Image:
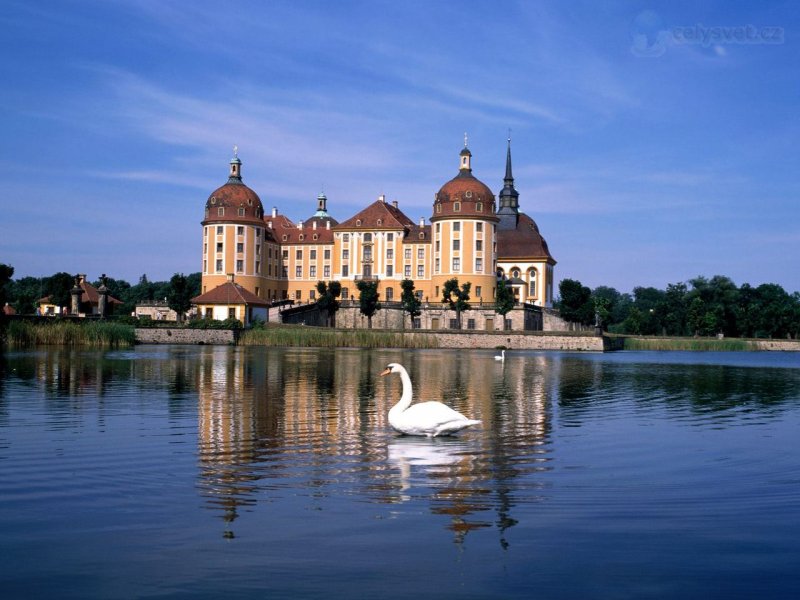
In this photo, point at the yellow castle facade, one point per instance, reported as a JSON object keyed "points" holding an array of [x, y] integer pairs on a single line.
{"points": [[470, 235]]}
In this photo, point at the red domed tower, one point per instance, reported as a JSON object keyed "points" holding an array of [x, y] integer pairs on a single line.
{"points": [[236, 241], [463, 232]]}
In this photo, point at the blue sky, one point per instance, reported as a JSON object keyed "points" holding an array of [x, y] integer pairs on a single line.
{"points": [[652, 143]]}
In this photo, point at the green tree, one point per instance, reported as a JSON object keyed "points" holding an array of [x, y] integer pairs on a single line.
{"points": [[23, 294], [58, 287], [575, 302], [6, 272], [504, 302], [409, 300], [456, 297], [368, 299], [180, 295], [328, 300]]}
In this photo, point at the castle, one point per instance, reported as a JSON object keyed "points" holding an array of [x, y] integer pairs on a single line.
{"points": [[252, 259]]}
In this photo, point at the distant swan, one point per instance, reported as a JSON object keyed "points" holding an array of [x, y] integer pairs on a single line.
{"points": [[426, 418], [501, 357]]}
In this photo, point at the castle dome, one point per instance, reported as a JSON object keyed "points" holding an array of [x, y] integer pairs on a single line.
{"points": [[464, 195], [234, 202]]}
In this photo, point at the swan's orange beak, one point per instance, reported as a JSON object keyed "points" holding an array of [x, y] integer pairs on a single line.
{"points": [[386, 372]]}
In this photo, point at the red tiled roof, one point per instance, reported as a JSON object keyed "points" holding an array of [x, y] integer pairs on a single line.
{"points": [[417, 234], [229, 293], [234, 197], [389, 215], [306, 235], [524, 241], [467, 190]]}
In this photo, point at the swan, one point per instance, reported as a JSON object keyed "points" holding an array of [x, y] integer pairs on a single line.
{"points": [[426, 418], [501, 357]]}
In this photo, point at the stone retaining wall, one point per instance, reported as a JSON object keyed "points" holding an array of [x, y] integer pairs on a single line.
{"points": [[186, 336]]}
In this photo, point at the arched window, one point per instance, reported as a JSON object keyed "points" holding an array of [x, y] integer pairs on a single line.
{"points": [[532, 283]]}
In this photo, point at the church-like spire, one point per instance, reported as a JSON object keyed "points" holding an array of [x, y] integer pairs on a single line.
{"points": [[508, 180], [508, 197], [465, 158], [236, 167]]}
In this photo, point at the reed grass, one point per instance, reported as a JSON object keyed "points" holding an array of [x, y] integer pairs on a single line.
{"points": [[335, 338], [26, 334], [689, 344]]}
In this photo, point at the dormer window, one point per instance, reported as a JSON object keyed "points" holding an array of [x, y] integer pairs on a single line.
{"points": [[457, 206], [285, 237], [358, 222], [380, 222], [438, 208], [422, 235], [241, 212], [302, 237], [220, 212], [468, 194], [479, 206]]}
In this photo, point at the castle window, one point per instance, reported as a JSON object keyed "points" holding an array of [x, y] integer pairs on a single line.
{"points": [[298, 254], [389, 237], [219, 265], [422, 235], [285, 237], [479, 206], [213, 200], [478, 245], [239, 247], [312, 271], [479, 226], [239, 266], [456, 265], [240, 230], [345, 270], [312, 254], [220, 212], [389, 292], [438, 208], [316, 236], [389, 271], [219, 246], [241, 212], [346, 238], [407, 271], [457, 206], [420, 271], [456, 245], [358, 222], [457, 226], [468, 194], [389, 253], [219, 229], [420, 254], [367, 238], [327, 254], [380, 222], [326, 271], [407, 253], [298, 272], [302, 237], [479, 265]]}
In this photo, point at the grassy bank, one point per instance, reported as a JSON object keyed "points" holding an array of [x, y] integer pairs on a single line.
{"points": [[25, 334], [334, 338], [690, 344]]}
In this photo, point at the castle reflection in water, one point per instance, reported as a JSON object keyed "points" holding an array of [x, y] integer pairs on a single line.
{"points": [[318, 419]]}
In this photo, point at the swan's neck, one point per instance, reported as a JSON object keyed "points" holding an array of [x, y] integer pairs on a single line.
{"points": [[405, 399]]}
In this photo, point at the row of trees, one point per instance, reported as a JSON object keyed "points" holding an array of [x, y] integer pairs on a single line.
{"points": [[701, 307], [24, 293]]}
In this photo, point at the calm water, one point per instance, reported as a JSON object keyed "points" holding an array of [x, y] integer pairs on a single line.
{"points": [[272, 473]]}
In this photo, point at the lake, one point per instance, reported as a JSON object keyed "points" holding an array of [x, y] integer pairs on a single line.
{"points": [[213, 472]]}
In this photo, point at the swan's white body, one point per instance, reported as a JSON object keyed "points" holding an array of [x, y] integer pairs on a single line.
{"points": [[426, 418], [501, 357]]}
